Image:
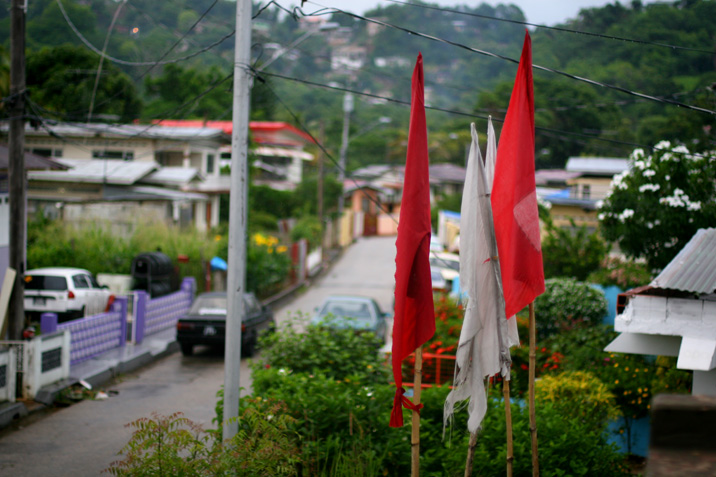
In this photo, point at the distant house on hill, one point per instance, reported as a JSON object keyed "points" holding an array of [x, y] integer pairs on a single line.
{"points": [[172, 147], [125, 194], [276, 149], [585, 181]]}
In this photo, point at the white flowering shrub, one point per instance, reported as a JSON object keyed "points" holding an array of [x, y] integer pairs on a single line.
{"points": [[657, 205]]}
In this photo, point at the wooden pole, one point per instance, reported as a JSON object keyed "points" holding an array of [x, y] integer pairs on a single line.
{"points": [[508, 425], [415, 437], [533, 417], [470, 454]]}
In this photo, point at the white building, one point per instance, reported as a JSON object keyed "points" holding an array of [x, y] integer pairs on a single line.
{"points": [[675, 315]]}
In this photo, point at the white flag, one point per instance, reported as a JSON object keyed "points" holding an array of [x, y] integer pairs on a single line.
{"points": [[483, 348], [513, 338]]}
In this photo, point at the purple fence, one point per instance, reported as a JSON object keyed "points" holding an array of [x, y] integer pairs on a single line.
{"points": [[93, 335], [98, 334], [163, 312]]}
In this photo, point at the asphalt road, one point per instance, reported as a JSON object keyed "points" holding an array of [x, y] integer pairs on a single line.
{"points": [[83, 439]]}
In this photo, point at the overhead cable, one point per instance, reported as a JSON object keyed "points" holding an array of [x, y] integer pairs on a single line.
{"points": [[512, 60]]}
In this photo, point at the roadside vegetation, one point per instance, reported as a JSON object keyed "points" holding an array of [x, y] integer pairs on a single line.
{"points": [[321, 400]]}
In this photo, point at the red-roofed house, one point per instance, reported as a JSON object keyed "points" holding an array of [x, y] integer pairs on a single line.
{"points": [[277, 148]]}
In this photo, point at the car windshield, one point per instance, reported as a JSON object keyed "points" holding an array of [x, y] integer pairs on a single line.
{"points": [[209, 305], [45, 282], [347, 309], [445, 263]]}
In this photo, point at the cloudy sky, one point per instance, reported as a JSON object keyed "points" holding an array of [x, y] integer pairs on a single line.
{"points": [[544, 12]]}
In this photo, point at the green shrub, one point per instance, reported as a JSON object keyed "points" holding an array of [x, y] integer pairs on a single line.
{"points": [[568, 304], [572, 252], [336, 353], [580, 395], [99, 250], [174, 445], [309, 228], [267, 265]]}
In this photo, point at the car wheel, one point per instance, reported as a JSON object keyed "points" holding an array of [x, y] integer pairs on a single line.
{"points": [[187, 349]]}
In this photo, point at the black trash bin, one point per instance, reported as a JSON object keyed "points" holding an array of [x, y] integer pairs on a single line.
{"points": [[154, 273]]}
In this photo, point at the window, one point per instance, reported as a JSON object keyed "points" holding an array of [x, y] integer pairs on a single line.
{"points": [[586, 191], [113, 154], [252, 304], [45, 282], [80, 281], [46, 151], [209, 163]]}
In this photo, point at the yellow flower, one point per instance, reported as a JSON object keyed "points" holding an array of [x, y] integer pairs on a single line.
{"points": [[638, 390], [616, 365], [281, 249], [626, 369], [637, 370], [370, 366], [616, 382], [217, 238]]}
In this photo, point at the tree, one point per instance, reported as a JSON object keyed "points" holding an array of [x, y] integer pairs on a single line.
{"points": [[572, 252], [657, 205], [61, 80]]}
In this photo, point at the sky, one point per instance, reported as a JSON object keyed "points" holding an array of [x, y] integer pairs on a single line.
{"points": [[544, 12]]}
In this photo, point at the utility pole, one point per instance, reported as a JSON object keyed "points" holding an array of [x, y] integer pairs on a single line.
{"points": [[347, 109], [320, 191], [16, 167], [238, 215]]}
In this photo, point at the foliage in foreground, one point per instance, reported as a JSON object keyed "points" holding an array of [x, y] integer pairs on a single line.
{"points": [[174, 445]]}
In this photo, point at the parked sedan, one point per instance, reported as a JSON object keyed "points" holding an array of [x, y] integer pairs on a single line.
{"points": [[357, 312], [205, 323], [71, 293]]}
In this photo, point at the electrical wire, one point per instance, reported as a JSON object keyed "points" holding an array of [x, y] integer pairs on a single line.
{"points": [[505, 58], [153, 64], [560, 29], [553, 132]]}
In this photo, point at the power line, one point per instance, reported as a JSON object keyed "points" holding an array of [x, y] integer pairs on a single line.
{"points": [[552, 132], [560, 29], [153, 64], [44, 122], [512, 60]]}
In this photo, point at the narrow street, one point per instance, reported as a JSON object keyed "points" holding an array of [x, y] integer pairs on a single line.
{"points": [[83, 439]]}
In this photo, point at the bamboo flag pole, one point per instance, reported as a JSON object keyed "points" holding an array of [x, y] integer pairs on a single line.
{"points": [[533, 417], [415, 437], [470, 454], [508, 424]]}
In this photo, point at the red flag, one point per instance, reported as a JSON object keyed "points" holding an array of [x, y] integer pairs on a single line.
{"points": [[414, 320], [514, 197]]}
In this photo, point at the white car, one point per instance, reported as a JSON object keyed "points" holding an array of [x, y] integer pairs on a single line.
{"points": [[70, 292]]}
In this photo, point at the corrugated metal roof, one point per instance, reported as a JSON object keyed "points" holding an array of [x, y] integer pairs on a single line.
{"points": [[603, 166], [32, 161], [172, 176], [149, 131], [97, 171], [694, 268]]}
